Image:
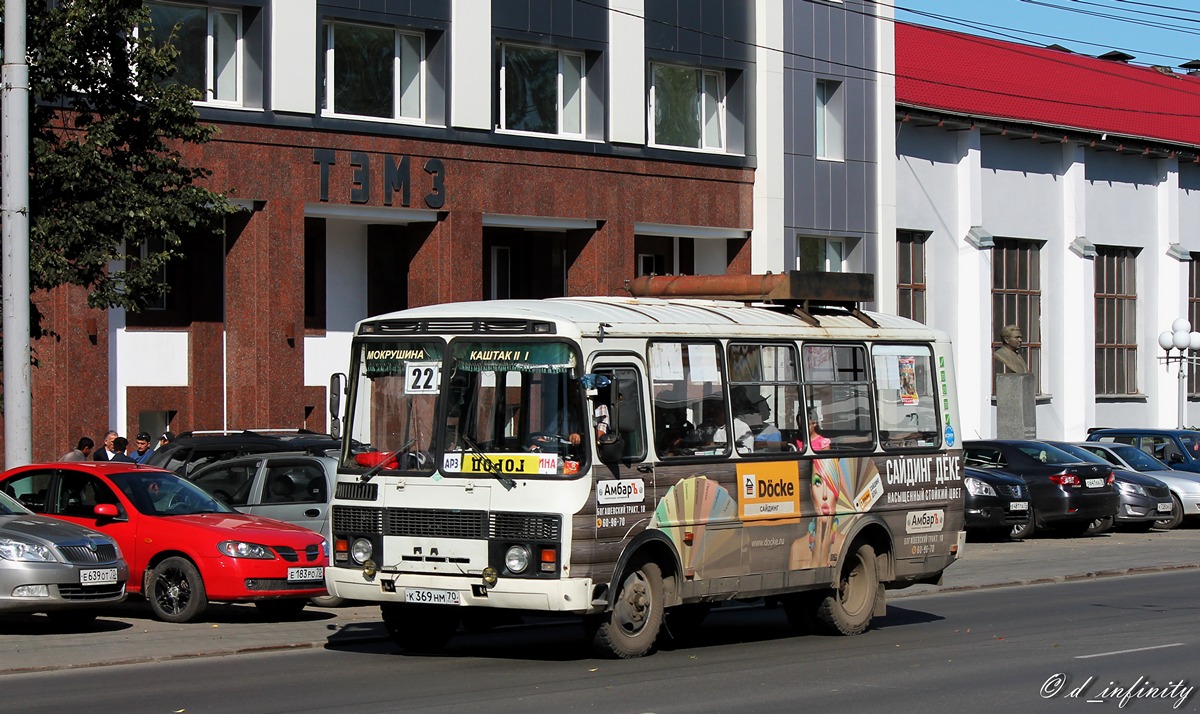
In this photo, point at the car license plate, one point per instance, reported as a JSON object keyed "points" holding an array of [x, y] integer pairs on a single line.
{"points": [[101, 576], [1094, 483], [1164, 507], [296, 575], [432, 597], [1018, 506]]}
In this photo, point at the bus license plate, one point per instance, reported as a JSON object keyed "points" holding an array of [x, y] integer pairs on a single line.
{"points": [[1018, 506], [297, 575], [101, 576], [1164, 507], [432, 597], [1094, 483]]}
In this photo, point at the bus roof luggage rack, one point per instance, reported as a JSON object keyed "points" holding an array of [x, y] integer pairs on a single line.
{"points": [[804, 293]]}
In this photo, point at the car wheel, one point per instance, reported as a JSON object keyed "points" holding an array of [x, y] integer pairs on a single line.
{"points": [[631, 628], [420, 628], [72, 619], [1176, 518], [1023, 530], [1101, 525], [176, 591], [328, 601], [285, 609], [848, 608]]}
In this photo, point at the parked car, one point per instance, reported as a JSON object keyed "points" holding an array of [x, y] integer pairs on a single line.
{"points": [[184, 547], [1144, 498], [1177, 448], [1184, 485], [996, 503], [1064, 493], [61, 569], [194, 449]]}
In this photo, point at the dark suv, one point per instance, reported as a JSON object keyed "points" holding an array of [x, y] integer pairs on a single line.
{"points": [[193, 449], [1177, 448]]}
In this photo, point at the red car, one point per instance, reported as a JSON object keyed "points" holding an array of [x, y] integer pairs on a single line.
{"points": [[184, 548]]}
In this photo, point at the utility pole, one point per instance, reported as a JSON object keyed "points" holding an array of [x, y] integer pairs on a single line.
{"points": [[14, 214]]}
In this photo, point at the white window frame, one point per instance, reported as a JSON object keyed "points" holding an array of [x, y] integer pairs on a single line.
{"points": [[499, 271], [210, 59], [706, 105], [398, 36], [561, 108], [829, 121]]}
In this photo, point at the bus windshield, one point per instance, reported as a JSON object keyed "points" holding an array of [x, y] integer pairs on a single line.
{"points": [[508, 397], [394, 404]]}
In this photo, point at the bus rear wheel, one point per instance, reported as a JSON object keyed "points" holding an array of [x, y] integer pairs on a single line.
{"points": [[420, 628], [847, 608], [631, 627]]}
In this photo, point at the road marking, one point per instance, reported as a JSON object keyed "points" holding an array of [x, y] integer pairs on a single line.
{"points": [[1139, 649]]}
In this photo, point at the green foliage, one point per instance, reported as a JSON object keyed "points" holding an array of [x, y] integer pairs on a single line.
{"points": [[106, 171]]}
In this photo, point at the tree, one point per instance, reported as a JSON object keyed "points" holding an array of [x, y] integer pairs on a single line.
{"points": [[110, 195]]}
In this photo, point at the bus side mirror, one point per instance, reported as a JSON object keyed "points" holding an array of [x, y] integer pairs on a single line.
{"points": [[337, 387]]}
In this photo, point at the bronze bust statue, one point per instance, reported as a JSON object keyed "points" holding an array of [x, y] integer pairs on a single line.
{"points": [[1008, 354]]}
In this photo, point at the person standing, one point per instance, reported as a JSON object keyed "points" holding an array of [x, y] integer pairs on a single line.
{"points": [[81, 452], [120, 444], [106, 453], [142, 451]]}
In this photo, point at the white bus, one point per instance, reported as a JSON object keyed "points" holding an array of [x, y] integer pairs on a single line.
{"points": [[634, 460]]}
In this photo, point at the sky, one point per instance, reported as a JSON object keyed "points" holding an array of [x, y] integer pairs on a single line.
{"points": [[1162, 32]]}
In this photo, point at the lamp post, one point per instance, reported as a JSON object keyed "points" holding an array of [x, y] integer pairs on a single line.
{"points": [[1180, 337]]}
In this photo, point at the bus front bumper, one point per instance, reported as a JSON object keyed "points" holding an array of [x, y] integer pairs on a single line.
{"points": [[559, 595]]}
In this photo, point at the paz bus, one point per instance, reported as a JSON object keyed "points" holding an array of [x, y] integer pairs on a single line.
{"points": [[635, 460]]}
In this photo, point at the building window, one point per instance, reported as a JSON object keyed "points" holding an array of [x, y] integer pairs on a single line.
{"points": [[1017, 298], [1116, 321], [910, 278], [1193, 315], [542, 90], [688, 106], [209, 41], [825, 255], [373, 71], [314, 274], [829, 120], [501, 273], [155, 246]]}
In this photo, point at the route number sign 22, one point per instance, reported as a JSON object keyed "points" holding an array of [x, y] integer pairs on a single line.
{"points": [[422, 378]]}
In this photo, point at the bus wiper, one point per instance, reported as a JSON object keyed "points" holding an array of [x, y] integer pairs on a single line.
{"points": [[386, 460], [488, 464]]}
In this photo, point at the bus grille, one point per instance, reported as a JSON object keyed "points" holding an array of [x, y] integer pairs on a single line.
{"points": [[357, 519], [357, 491], [424, 522], [524, 526]]}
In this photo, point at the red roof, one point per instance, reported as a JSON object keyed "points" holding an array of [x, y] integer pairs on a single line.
{"points": [[986, 78]]}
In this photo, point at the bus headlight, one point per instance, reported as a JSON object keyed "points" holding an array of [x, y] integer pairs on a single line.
{"points": [[516, 559], [361, 550]]}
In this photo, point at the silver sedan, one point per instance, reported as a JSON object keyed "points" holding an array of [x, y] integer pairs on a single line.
{"points": [[1184, 485], [59, 568]]}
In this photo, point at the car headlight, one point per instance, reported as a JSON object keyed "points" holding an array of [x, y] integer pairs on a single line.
{"points": [[240, 549], [1130, 488], [516, 559], [26, 552], [361, 550], [978, 488]]}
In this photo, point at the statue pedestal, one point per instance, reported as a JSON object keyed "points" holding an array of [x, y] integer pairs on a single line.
{"points": [[1016, 407]]}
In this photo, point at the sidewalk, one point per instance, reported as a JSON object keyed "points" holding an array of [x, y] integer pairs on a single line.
{"points": [[129, 634]]}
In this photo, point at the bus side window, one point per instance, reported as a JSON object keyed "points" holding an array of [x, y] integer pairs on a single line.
{"points": [[624, 427]]}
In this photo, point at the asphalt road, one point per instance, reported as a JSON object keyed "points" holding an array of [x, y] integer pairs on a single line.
{"points": [[1024, 648]]}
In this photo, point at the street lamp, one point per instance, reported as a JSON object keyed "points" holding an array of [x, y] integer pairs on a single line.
{"points": [[1182, 338]]}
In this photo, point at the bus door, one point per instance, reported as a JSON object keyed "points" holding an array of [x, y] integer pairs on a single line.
{"points": [[624, 477]]}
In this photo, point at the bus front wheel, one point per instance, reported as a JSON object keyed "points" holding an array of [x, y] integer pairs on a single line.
{"points": [[420, 628], [631, 627], [847, 608]]}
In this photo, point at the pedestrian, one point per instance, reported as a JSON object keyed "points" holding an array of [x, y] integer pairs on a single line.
{"points": [[142, 451], [106, 453], [81, 452], [165, 439], [120, 444]]}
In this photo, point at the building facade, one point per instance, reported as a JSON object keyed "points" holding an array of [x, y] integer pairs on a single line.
{"points": [[1060, 193], [389, 154]]}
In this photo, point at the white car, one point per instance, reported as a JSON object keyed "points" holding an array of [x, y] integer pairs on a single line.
{"points": [[1184, 485]]}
